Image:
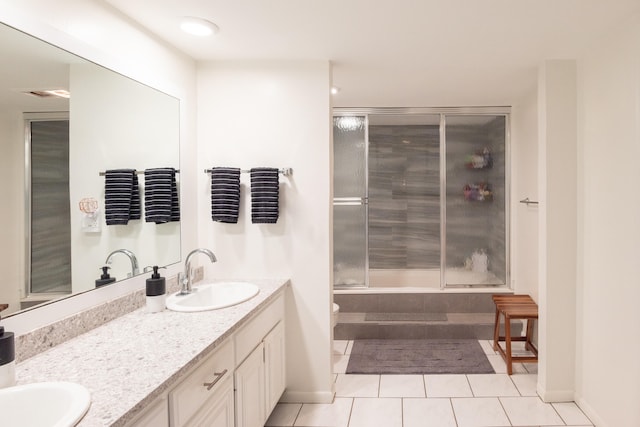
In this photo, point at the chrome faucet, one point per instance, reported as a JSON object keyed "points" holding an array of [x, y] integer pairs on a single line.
{"points": [[185, 278], [132, 257]]}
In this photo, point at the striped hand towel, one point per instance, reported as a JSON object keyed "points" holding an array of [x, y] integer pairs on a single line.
{"points": [[225, 194], [121, 196], [264, 195], [161, 202]]}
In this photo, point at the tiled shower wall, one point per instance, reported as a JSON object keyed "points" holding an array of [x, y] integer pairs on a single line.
{"points": [[404, 197]]}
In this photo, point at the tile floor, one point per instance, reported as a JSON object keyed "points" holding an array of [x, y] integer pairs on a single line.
{"points": [[489, 400]]}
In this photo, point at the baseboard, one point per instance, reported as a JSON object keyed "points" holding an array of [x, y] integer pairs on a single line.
{"points": [[291, 396], [590, 412], [555, 396]]}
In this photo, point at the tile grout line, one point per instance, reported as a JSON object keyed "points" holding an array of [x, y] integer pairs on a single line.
{"points": [[556, 411], [453, 411], [424, 386], [353, 402], [504, 410], [298, 414], [473, 394], [515, 385]]}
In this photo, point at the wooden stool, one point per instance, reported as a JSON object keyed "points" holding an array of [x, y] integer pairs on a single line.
{"points": [[502, 299], [514, 307]]}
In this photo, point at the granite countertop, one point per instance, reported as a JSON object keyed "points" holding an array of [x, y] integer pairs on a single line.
{"points": [[130, 361]]}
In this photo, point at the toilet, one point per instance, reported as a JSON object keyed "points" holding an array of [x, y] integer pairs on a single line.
{"points": [[334, 319]]}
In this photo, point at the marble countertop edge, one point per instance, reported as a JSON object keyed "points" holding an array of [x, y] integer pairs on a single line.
{"points": [[130, 361]]}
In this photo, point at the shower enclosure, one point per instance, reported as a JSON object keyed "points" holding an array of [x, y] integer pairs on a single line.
{"points": [[47, 214], [420, 198]]}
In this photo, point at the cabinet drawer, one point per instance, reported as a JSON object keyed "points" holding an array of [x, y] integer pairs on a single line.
{"points": [[189, 396], [252, 334], [218, 410]]}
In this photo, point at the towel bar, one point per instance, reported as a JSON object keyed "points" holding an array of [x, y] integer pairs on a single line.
{"points": [[137, 172], [283, 171]]}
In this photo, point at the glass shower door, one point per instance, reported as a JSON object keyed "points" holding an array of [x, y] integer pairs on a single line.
{"points": [[350, 248], [476, 251]]}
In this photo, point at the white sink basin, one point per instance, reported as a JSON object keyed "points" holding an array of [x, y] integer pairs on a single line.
{"points": [[213, 296], [50, 404]]}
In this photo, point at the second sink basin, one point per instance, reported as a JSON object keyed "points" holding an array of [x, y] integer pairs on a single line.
{"points": [[56, 404], [213, 296]]}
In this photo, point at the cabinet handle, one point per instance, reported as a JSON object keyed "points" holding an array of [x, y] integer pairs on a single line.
{"points": [[218, 375]]}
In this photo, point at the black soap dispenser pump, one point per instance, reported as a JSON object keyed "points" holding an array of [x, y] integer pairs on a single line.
{"points": [[7, 359], [156, 292], [105, 279]]}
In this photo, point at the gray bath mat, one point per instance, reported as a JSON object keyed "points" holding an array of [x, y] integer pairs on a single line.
{"points": [[405, 317], [430, 356]]}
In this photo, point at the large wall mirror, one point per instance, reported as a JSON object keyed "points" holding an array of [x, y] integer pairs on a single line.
{"points": [[64, 121]]}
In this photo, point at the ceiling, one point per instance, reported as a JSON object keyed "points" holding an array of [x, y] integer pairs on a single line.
{"points": [[411, 53]]}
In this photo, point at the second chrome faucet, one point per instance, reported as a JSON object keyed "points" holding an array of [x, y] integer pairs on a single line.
{"points": [[185, 278]]}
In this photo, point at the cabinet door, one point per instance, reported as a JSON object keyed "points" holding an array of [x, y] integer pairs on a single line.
{"points": [[218, 410], [250, 390], [156, 415], [274, 353]]}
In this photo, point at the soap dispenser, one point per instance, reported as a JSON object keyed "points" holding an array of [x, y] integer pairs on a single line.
{"points": [[156, 292], [7, 359], [105, 279]]}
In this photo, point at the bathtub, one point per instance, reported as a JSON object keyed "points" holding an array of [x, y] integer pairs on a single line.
{"points": [[423, 281]]}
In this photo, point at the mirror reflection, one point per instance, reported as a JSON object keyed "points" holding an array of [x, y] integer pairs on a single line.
{"points": [[64, 122]]}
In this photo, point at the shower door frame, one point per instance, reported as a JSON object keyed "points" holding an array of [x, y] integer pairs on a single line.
{"points": [[442, 112]]}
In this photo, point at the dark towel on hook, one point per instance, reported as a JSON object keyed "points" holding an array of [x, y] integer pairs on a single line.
{"points": [[225, 194], [264, 195], [161, 201], [121, 196]]}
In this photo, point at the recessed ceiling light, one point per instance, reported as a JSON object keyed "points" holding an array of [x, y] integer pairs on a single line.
{"points": [[198, 26], [335, 90]]}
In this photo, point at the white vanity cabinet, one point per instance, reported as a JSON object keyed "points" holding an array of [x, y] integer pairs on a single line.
{"points": [[260, 380], [260, 377], [205, 396], [274, 355], [250, 390], [237, 385]]}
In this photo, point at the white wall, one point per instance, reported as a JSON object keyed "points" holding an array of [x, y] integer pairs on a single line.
{"points": [[275, 114], [96, 32], [557, 132], [607, 369], [524, 183]]}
